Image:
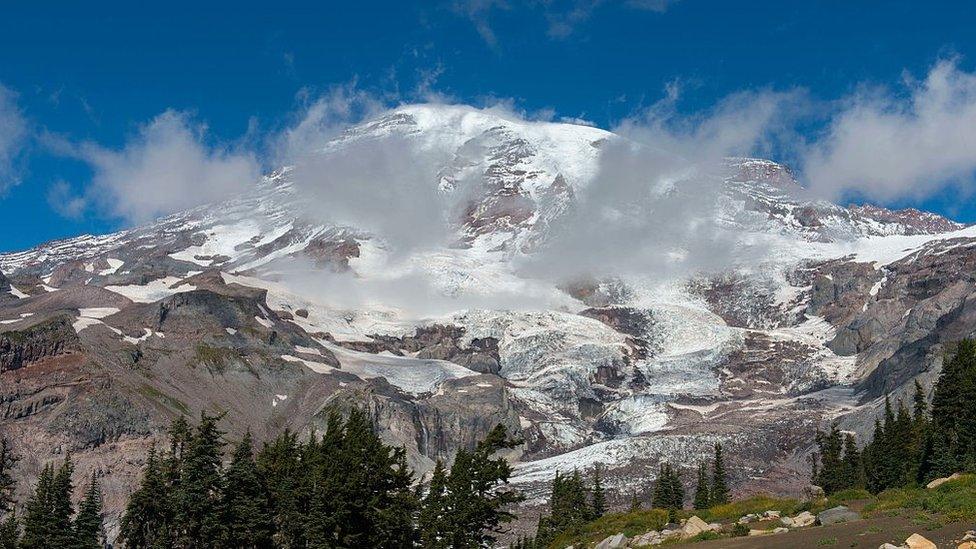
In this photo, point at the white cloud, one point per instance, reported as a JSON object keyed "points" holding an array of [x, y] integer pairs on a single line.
{"points": [[65, 202], [13, 139], [165, 168], [889, 145]]}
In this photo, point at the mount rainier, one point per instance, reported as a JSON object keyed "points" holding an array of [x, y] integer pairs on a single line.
{"points": [[448, 269]]}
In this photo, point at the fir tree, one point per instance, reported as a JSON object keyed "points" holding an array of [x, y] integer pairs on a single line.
{"points": [[147, 519], [248, 516], [47, 517], [9, 527], [598, 499], [479, 504], [199, 497], [88, 523], [635, 502], [702, 499], [279, 464], [9, 532], [434, 510], [719, 491]]}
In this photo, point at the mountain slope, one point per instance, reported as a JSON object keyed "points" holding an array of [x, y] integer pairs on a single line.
{"points": [[265, 308]]}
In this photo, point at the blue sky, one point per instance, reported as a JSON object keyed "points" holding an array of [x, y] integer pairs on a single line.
{"points": [[83, 81]]}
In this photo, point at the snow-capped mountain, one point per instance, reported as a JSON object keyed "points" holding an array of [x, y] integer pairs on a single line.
{"points": [[265, 308]]}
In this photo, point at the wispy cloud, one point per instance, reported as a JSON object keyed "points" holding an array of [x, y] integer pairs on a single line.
{"points": [[13, 139], [479, 13], [891, 144], [166, 167]]}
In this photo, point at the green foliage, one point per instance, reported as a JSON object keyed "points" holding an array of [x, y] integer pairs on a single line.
{"points": [[719, 491], [739, 530], [631, 524], [47, 516], [345, 488], [669, 493], [598, 499], [88, 524], [248, 515], [956, 499], [756, 504], [476, 498], [7, 483], [702, 498]]}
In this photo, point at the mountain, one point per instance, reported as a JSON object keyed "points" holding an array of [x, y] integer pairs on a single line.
{"points": [[268, 309]]}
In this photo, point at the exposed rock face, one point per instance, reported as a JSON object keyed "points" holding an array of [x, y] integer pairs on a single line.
{"points": [[439, 342], [49, 338]]}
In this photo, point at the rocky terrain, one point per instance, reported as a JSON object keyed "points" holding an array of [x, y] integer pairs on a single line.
{"points": [[244, 308]]}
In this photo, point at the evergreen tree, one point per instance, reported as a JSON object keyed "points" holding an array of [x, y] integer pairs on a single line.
{"points": [[853, 468], [479, 504], [7, 483], [668, 491], [248, 516], [635, 502], [9, 532], [47, 518], [702, 500], [719, 491], [147, 519], [279, 464], [9, 527], [598, 499], [199, 496], [434, 510], [954, 413], [88, 524]]}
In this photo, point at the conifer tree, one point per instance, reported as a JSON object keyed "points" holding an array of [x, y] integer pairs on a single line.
{"points": [[147, 519], [9, 527], [598, 499], [47, 517], [479, 503], [88, 524], [248, 516], [635, 502], [199, 497], [702, 499], [434, 510], [719, 491], [279, 463]]}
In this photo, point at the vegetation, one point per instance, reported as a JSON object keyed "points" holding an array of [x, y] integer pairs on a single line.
{"points": [[909, 448], [342, 489]]}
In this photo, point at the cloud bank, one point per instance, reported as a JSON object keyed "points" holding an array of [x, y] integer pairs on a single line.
{"points": [[905, 144], [166, 167]]}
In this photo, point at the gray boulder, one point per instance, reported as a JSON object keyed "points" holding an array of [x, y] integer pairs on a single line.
{"points": [[612, 542], [841, 513]]}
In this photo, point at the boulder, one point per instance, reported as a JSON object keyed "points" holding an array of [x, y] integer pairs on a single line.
{"points": [[890, 546], [970, 535], [805, 518], [940, 481], [612, 542], [694, 526], [650, 538], [916, 541], [780, 530], [813, 492], [771, 515], [967, 545], [758, 532], [787, 521], [841, 513]]}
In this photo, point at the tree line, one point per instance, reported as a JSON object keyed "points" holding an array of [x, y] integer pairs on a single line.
{"points": [[573, 503], [908, 446], [343, 488]]}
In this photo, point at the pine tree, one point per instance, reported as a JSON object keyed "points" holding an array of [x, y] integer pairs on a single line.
{"points": [[88, 523], [9, 532], [279, 464], [434, 510], [853, 468], [635, 502], [147, 519], [47, 518], [7, 483], [478, 502], [199, 497], [719, 491], [598, 499], [248, 516], [702, 500]]}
